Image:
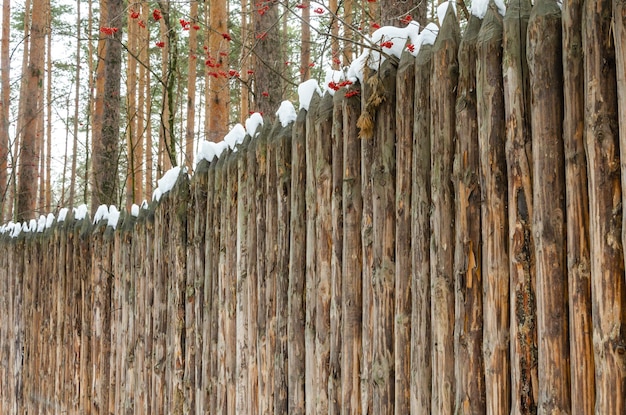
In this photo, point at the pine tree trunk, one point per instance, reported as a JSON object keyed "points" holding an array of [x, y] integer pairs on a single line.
{"points": [[191, 87], [218, 100], [5, 95]]}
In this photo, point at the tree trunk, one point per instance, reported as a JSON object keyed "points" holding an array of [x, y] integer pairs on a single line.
{"points": [[218, 100], [191, 87], [5, 96], [106, 149], [268, 65], [29, 154]]}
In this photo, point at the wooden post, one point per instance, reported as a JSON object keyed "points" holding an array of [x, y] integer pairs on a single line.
{"points": [[252, 276], [139, 262], [421, 363], [271, 228], [229, 217], [443, 138], [195, 309], [619, 35], [261, 222], [523, 330], [608, 289], [297, 270], [282, 187], [243, 313], [351, 295], [405, 94], [100, 310], [577, 213], [335, 372], [323, 247], [494, 213], [468, 279], [548, 220], [311, 386], [367, 145]]}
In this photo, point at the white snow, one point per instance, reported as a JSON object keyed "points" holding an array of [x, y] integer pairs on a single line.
{"points": [[41, 224], [235, 136], [254, 121], [49, 220], [134, 210], [305, 93], [167, 182], [442, 9], [429, 34], [102, 213], [286, 113], [479, 7], [62, 214], [332, 76], [32, 225], [80, 212], [391, 41], [114, 216]]}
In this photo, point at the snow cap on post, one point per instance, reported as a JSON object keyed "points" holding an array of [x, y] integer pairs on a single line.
{"points": [[305, 93], [286, 113]]}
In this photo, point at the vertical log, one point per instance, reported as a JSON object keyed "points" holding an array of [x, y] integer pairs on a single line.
{"points": [[310, 387], [230, 282], [100, 309], [405, 93], [351, 295], [336, 318], [608, 290], [548, 220], [297, 270], [577, 212], [270, 268], [282, 185], [383, 246], [222, 277], [421, 363], [86, 328], [216, 184], [619, 34], [261, 324], [323, 247], [468, 332], [139, 260], [195, 310], [253, 279], [443, 138], [523, 331], [367, 145], [489, 85], [174, 210], [242, 283]]}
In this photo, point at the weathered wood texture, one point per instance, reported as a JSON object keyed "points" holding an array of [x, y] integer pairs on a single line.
{"points": [[413, 244]]}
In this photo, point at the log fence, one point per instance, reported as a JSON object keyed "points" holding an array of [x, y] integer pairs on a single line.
{"points": [[447, 238]]}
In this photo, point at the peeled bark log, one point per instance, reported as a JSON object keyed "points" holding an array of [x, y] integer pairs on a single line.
{"points": [[468, 334], [608, 289], [443, 139], [493, 213]]}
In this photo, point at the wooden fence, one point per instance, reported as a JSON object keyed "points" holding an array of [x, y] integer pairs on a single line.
{"points": [[462, 255]]}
